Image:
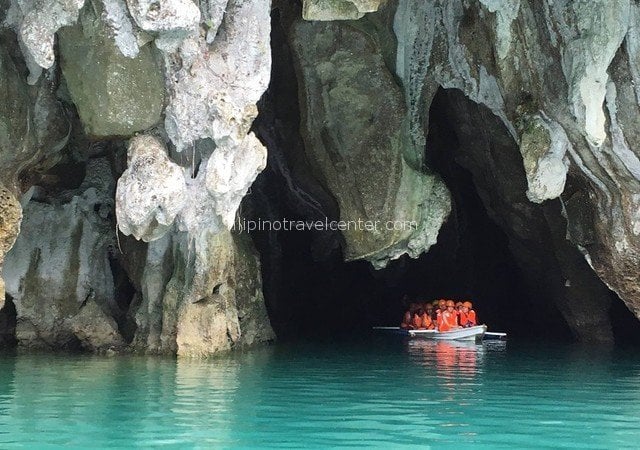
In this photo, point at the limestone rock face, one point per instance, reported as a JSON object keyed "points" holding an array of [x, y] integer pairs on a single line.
{"points": [[33, 125], [573, 65], [118, 61], [36, 23], [200, 296], [230, 172], [33, 129], [165, 15], [338, 9], [115, 95], [353, 125], [151, 192], [10, 217], [60, 262], [215, 89], [96, 330]]}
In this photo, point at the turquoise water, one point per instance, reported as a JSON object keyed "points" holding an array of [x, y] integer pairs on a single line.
{"points": [[385, 392]]}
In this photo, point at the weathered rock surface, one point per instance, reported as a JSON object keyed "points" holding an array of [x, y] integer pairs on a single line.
{"points": [[151, 192], [61, 262], [338, 9], [215, 88], [36, 23], [353, 124], [200, 296], [573, 64], [10, 218], [116, 95], [165, 15], [33, 124], [96, 330]]}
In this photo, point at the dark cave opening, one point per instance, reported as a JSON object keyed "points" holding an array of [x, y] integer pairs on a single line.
{"points": [[520, 280], [8, 319], [310, 290]]}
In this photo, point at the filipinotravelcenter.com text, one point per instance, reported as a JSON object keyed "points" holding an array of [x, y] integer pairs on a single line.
{"points": [[250, 225]]}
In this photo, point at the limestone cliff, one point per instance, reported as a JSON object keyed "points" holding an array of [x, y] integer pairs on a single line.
{"points": [[132, 116], [126, 148]]}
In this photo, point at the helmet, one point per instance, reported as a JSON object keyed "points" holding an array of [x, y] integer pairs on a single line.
{"points": [[441, 303], [468, 305], [451, 303]]}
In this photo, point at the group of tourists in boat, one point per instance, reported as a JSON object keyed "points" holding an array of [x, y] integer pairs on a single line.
{"points": [[442, 315]]}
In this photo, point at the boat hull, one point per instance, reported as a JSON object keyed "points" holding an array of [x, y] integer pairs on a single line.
{"points": [[471, 334]]}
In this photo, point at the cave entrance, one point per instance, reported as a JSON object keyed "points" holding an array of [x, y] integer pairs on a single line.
{"points": [[497, 249], [310, 290]]}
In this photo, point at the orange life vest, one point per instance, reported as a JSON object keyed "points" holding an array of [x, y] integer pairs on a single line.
{"points": [[427, 322], [448, 321]]}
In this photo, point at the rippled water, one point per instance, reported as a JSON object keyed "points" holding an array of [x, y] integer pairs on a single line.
{"points": [[386, 392]]}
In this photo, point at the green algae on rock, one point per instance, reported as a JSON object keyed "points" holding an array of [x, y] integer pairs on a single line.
{"points": [[115, 95]]}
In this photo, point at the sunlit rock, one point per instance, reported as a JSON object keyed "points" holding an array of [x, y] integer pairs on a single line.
{"points": [[10, 218], [165, 15], [151, 192], [215, 90], [230, 173], [338, 9], [36, 23], [200, 296]]}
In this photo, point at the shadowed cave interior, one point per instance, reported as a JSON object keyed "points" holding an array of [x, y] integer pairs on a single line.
{"points": [[518, 285]]}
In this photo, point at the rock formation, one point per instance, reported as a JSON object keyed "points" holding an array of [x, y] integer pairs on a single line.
{"points": [[187, 78], [126, 148], [553, 72], [348, 93]]}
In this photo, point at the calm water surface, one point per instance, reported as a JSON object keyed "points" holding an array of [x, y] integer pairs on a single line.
{"points": [[385, 393]]}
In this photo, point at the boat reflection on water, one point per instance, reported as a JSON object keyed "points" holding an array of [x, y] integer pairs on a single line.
{"points": [[454, 361]]}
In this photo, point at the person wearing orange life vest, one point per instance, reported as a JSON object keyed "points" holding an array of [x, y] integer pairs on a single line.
{"points": [[427, 319], [468, 315], [449, 318], [407, 318], [429, 309], [442, 307], [416, 319], [458, 308]]}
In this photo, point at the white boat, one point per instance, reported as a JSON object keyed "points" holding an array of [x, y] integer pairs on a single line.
{"points": [[459, 334]]}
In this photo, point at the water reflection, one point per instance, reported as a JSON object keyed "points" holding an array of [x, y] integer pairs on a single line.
{"points": [[383, 393]]}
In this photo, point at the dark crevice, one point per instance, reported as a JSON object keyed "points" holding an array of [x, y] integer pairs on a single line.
{"points": [[8, 323], [124, 295]]}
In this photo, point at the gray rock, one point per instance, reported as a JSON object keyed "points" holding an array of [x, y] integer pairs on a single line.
{"points": [[200, 296], [338, 9], [215, 90], [61, 261], [96, 330], [567, 62], [115, 95], [348, 95], [36, 23], [165, 15], [151, 192]]}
